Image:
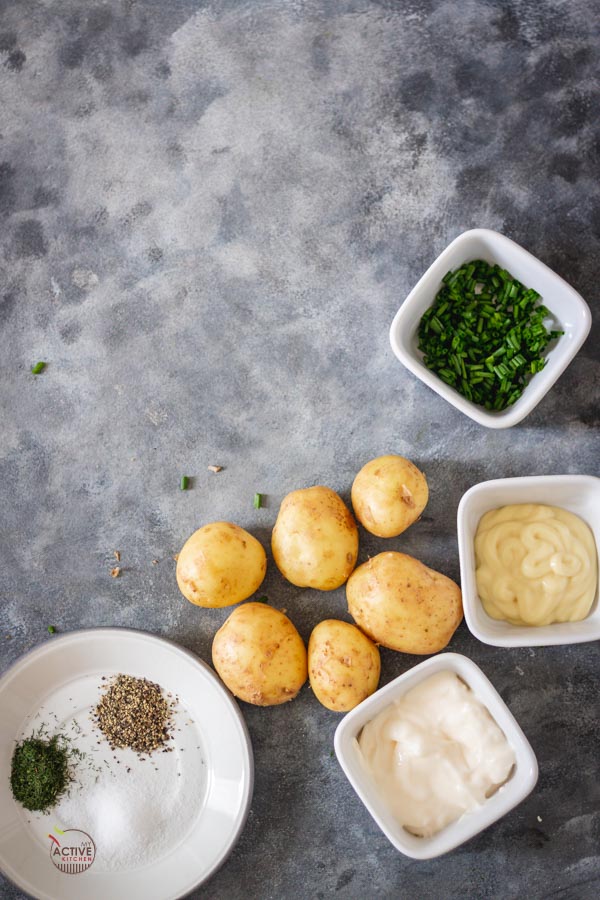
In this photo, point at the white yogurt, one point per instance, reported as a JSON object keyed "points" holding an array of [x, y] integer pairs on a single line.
{"points": [[435, 754]]}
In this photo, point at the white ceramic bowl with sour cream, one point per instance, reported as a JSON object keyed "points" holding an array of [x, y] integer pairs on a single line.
{"points": [[579, 494], [519, 784], [570, 311]]}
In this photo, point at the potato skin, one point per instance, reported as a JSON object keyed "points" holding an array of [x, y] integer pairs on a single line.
{"points": [[402, 604], [259, 655], [388, 495], [315, 539], [343, 665], [220, 564]]}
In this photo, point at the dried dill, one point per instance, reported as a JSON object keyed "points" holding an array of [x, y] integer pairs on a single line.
{"points": [[40, 772]]}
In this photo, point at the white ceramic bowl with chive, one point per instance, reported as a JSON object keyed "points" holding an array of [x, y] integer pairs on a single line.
{"points": [[570, 311], [520, 783], [579, 494]]}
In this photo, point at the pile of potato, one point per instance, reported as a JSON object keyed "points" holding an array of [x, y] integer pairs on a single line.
{"points": [[395, 600]]}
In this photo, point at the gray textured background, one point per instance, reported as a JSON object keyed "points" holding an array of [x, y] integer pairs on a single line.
{"points": [[210, 214]]}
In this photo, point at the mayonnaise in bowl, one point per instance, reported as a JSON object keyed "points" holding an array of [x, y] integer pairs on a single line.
{"points": [[535, 564]]}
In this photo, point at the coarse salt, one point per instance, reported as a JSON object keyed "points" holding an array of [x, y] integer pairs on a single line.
{"points": [[136, 811]]}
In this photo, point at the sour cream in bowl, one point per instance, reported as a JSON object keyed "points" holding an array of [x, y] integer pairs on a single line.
{"points": [[436, 756]]}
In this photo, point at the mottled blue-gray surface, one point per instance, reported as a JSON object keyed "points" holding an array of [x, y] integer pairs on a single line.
{"points": [[210, 214]]}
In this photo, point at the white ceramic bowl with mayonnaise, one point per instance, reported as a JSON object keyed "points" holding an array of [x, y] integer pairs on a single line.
{"points": [[570, 311], [519, 784], [579, 494]]}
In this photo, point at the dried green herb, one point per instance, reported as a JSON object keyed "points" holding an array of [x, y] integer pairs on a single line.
{"points": [[40, 772]]}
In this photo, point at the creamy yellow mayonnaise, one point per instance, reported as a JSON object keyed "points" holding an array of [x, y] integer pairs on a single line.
{"points": [[535, 565]]}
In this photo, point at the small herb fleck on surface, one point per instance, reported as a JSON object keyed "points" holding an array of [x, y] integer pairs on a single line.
{"points": [[38, 368]]}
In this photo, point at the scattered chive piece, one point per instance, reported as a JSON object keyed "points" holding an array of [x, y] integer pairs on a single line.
{"points": [[257, 502], [263, 600], [184, 483], [39, 367], [485, 334], [51, 629]]}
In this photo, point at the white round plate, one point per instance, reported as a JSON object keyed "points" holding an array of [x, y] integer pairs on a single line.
{"points": [[197, 795]]}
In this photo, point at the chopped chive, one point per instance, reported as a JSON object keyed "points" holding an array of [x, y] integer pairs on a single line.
{"points": [[262, 600], [484, 335], [51, 629], [514, 396], [39, 367], [258, 501], [184, 483]]}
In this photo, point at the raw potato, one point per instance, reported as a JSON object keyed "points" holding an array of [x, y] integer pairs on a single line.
{"points": [[403, 605], [315, 539], [389, 494], [343, 665], [220, 564], [259, 655]]}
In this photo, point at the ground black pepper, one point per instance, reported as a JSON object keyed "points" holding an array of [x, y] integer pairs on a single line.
{"points": [[134, 713]]}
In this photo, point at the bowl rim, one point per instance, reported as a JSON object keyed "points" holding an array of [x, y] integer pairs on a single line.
{"points": [[514, 791], [516, 635], [535, 390]]}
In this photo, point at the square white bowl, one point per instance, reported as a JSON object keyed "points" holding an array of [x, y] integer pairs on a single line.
{"points": [[579, 494], [569, 309], [520, 783]]}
